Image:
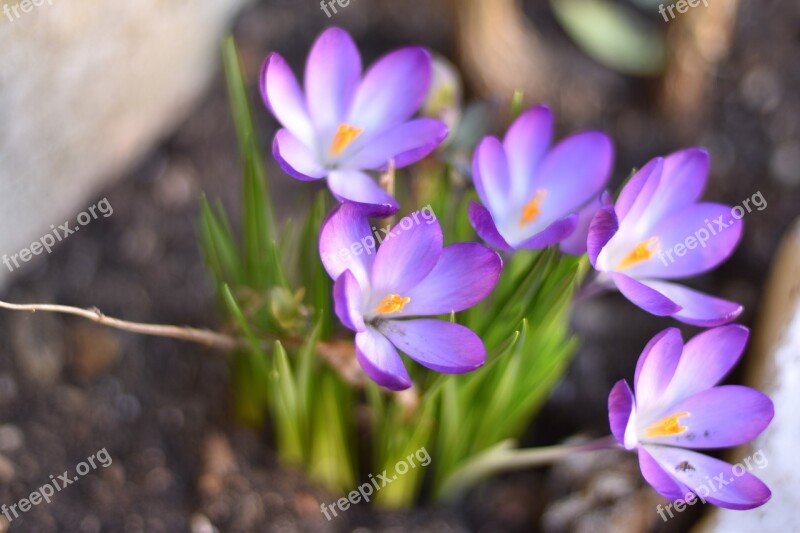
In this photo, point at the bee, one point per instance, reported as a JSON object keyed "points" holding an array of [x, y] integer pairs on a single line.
{"points": [[684, 466]]}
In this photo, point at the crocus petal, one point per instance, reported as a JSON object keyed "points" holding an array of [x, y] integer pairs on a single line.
{"points": [[357, 187], [682, 182], [637, 193], [659, 479], [347, 301], [284, 98], [687, 230], [347, 225], [393, 89], [620, 404], [602, 228], [552, 234], [655, 367], [380, 360], [575, 244], [464, 275], [482, 221], [404, 144], [696, 308], [490, 174], [574, 171], [295, 158], [645, 296], [526, 143], [436, 344], [717, 418], [713, 480], [407, 254], [706, 359], [333, 71]]}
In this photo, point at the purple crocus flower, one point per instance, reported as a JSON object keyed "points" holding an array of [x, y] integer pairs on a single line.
{"points": [[531, 194], [657, 231], [382, 296], [345, 123], [677, 407]]}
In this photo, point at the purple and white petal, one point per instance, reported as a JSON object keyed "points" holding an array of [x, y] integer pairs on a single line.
{"points": [[526, 144], [380, 360], [295, 158], [603, 227], [575, 244], [715, 481], [403, 145], [357, 187], [687, 231], [573, 172], [706, 359], [406, 256], [646, 296], [464, 275], [697, 308], [717, 418], [333, 72], [436, 344], [552, 234], [345, 227], [655, 475], [491, 176], [484, 225], [393, 89], [284, 98], [347, 298], [682, 182], [637, 193], [620, 405], [655, 368]]}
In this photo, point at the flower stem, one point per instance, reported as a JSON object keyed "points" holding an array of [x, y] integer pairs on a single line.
{"points": [[504, 457]]}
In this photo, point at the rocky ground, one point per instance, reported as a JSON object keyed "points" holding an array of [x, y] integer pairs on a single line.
{"points": [[160, 408]]}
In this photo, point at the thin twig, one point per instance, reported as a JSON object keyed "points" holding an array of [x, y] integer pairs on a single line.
{"points": [[205, 337], [338, 354]]}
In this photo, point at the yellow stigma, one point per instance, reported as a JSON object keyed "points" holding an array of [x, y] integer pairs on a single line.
{"points": [[345, 134], [668, 426], [532, 209], [643, 251], [391, 303]]}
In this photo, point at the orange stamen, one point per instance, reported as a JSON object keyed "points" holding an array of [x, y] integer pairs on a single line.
{"points": [[345, 134], [643, 251], [392, 303], [532, 209], [668, 426]]}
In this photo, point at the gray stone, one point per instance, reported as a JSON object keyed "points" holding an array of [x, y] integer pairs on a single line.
{"points": [[88, 86]]}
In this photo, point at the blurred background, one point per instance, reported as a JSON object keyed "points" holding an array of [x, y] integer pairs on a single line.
{"points": [[127, 102]]}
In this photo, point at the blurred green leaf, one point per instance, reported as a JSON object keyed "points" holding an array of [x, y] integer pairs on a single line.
{"points": [[290, 420], [612, 35], [516, 104]]}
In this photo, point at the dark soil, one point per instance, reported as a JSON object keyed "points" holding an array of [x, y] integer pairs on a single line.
{"points": [[161, 408]]}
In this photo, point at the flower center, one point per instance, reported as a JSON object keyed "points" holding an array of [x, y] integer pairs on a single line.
{"points": [[532, 209], [642, 252], [345, 134], [392, 303], [667, 426]]}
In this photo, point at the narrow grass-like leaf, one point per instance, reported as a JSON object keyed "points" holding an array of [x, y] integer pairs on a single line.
{"points": [[331, 460], [289, 418], [219, 247]]}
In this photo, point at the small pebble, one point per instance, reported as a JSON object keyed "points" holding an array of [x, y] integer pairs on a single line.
{"points": [[11, 438]]}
